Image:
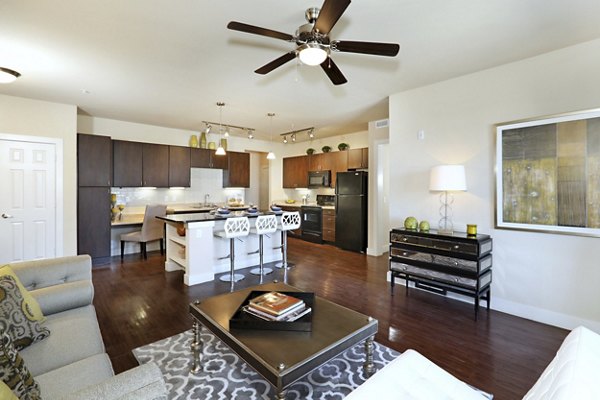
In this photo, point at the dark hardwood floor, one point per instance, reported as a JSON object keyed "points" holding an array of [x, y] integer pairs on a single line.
{"points": [[138, 303]]}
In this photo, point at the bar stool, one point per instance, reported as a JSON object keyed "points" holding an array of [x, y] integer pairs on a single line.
{"points": [[264, 225], [234, 227], [289, 221]]}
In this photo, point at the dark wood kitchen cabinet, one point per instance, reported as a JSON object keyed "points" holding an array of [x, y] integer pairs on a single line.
{"points": [[94, 161], [358, 158], [127, 163], [237, 173], [321, 162], [94, 172], [179, 166], [93, 222], [295, 172], [328, 225], [155, 165], [205, 158], [339, 163]]}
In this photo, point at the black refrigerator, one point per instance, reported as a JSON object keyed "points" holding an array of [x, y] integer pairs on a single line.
{"points": [[351, 210]]}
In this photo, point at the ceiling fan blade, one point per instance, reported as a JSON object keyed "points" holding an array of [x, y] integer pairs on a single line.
{"points": [[372, 48], [265, 69], [333, 72], [240, 26], [330, 12]]}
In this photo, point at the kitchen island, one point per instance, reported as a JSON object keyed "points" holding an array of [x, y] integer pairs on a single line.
{"points": [[199, 253]]}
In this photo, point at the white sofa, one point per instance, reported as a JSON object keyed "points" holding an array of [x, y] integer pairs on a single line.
{"points": [[572, 374]]}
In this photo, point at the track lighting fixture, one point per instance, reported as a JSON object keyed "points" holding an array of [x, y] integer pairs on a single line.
{"points": [[208, 128], [250, 135], [293, 134], [220, 149]]}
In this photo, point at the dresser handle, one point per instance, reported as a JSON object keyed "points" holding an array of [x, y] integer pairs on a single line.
{"points": [[456, 263], [455, 279], [404, 254], [404, 239], [456, 247]]}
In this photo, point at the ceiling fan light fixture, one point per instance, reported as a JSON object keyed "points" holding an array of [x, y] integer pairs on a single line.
{"points": [[8, 75], [312, 53]]}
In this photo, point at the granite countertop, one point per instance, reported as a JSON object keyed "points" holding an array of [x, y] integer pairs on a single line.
{"points": [[299, 204], [201, 217]]}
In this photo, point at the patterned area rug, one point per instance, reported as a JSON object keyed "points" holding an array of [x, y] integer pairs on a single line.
{"points": [[226, 376]]}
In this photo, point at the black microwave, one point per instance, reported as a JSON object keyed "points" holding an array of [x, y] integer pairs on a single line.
{"points": [[317, 179]]}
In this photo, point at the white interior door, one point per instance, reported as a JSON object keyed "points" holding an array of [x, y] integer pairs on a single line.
{"points": [[28, 201]]}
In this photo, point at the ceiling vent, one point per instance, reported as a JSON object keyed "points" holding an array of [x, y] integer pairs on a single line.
{"points": [[382, 123]]}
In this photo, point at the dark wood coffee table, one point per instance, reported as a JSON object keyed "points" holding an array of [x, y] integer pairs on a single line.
{"points": [[283, 357]]}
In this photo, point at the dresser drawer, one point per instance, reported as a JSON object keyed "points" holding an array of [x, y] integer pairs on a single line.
{"points": [[470, 283], [439, 244], [443, 261]]}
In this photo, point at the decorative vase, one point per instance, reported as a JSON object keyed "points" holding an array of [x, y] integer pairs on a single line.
{"points": [[193, 141], [326, 149], [211, 145], [224, 143], [203, 140]]}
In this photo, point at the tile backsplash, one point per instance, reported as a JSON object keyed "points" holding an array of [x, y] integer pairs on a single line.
{"points": [[203, 181]]}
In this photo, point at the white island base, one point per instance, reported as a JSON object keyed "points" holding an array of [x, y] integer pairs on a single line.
{"points": [[199, 253]]}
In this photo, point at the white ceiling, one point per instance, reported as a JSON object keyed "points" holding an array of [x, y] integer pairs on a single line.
{"points": [[167, 62]]}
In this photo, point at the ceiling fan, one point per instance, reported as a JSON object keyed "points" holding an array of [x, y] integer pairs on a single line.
{"points": [[313, 45]]}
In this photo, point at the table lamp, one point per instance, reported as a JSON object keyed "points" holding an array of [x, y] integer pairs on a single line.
{"points": [[447, 178]]}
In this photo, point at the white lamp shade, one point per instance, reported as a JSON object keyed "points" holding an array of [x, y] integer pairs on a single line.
{"points": [[447, 178]]}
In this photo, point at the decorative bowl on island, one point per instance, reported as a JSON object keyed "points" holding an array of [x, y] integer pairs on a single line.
{"points": [[275, 208], [223, 211], [252, 210]]}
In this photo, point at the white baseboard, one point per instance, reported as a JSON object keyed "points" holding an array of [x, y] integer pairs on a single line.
{"points": [[524, 311]]}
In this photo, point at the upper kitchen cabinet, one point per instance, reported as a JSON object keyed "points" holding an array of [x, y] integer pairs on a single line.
{"points": [[295, 172], [358, 158], [237, 173], [127, 164], [205, 158], [179, 166], [322, 162], [339, 163], [155, 165], [94, 160]]}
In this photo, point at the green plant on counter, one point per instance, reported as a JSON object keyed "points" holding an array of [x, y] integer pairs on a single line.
{"points": [[310, 151], [326, 149], [343, 146]]}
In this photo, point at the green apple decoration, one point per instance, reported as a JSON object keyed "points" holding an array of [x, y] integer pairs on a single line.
{"points": [[424, 226], [411, 223]]}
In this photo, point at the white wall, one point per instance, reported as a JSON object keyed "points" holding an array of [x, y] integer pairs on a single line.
{"points": [[545, 277], [22, 116]]}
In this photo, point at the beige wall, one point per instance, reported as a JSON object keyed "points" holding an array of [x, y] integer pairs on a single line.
{"points": [[541, 276], [20, 116]]}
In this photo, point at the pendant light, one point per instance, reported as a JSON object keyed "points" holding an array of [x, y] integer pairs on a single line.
{"points": [[271, 155], [220, 150]]}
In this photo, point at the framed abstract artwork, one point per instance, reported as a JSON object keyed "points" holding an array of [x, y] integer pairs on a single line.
{"points": [[548, 174]]}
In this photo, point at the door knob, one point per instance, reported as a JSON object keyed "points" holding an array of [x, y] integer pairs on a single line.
{"points": [[5, 215]]}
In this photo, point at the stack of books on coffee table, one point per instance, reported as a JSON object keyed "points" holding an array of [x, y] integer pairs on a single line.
{"points": [[270, 310], [275, 306]]}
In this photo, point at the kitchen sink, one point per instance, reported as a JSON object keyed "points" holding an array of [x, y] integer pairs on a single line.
{"points": [[206, 205]]}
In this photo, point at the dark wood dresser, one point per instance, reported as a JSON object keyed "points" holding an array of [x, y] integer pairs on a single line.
{"points": [[443, 262]]}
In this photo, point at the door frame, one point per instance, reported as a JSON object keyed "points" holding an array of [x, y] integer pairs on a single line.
{"points": [[58, 181]]}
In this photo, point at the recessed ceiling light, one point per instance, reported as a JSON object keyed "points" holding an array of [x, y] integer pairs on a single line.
{"points": [[8, 75]]}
